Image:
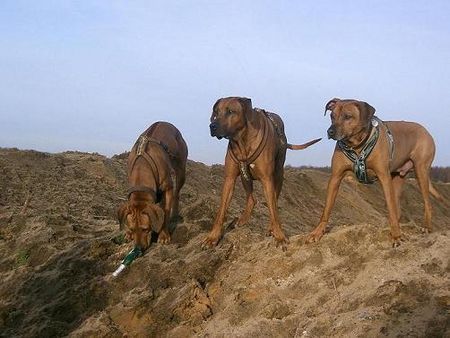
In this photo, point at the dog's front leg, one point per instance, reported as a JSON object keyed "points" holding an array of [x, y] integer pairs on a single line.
{"points": [[389, 195], [250, 203], [164, 235], [332, 190], [231, 173], [271, 198]]}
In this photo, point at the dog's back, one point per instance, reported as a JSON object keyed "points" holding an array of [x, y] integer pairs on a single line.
{"points": [[171, 140], [412, 141]]}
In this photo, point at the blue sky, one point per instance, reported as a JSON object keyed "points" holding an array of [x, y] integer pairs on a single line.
{"points": [[92, 75]]}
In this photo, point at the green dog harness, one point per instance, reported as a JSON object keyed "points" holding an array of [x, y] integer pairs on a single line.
{"points": [[359, 162]]}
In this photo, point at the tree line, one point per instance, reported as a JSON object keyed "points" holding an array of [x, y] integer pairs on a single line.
{"points": [[441, 174]]}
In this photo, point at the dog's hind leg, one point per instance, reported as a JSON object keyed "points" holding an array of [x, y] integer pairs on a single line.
{"points": [[435, 193], [179, 182], [279, 172], [423, 178]]}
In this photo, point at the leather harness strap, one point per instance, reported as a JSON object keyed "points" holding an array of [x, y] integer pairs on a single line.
{"points": [[280, 133], [391, 142], [245, 163], [141, 188], [141, 147]]}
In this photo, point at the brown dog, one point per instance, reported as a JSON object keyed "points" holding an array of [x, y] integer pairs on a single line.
{"points": [[157, 154], [257, 151], [370, 147]]}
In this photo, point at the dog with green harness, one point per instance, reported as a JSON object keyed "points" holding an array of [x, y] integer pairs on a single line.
{"points": [[375, 149]]}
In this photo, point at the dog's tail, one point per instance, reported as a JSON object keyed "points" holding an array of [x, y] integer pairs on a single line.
{"points": [[302, 146], [435, 193]]}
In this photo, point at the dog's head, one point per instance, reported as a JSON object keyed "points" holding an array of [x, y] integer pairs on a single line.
{"points": [[229, 116], [139, 221], [348, 118]]}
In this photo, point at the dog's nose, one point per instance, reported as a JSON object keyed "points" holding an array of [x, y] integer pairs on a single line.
{"points": [[213, 126], [331, 132]]}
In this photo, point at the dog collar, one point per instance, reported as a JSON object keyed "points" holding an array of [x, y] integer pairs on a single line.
{"points": [[359, 162], [142, 188]]}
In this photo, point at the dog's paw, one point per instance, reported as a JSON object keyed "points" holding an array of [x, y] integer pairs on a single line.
{"points": [[280, 239], [315, 235], [283, 243], [241, 221], [397, 240], [164, 237], [426, 230], [211, 240], [396, 243]]}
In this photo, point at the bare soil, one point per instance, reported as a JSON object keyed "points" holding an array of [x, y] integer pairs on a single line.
{"points": [[60, 242]]}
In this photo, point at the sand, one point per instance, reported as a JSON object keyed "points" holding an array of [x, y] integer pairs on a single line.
{"points": [[60, 243]]}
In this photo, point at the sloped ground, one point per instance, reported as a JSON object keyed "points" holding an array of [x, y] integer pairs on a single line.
{"points": [[59, 243]]}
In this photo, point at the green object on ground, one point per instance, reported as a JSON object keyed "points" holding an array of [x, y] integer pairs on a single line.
{"points": [[132, 255], [129, 258]]}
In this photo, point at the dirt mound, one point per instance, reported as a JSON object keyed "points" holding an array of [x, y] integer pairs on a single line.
{"points": [[59, 244]]}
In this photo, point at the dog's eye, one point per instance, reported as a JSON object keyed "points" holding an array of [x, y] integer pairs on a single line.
{"points": [[347, 117], [229, 112]]}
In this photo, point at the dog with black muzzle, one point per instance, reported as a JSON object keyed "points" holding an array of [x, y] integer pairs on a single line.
{"points": [[373, 148], [256, 151]]}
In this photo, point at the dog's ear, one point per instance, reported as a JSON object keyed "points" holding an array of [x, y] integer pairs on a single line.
{"points": [[366, 112], [247, 108], [246, 104], [156, 215], [216, 104], [122, 212], [214, 112], [330, 105]]}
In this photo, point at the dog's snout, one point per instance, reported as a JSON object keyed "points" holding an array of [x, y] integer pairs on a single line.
{"points": [[213, 128], [331, 132]]}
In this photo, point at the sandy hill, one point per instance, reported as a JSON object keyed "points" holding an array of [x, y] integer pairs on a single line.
{"points": [[60, 242]]}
